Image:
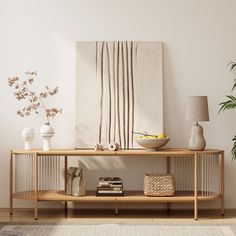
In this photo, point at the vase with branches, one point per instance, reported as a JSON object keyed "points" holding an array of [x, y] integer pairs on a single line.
{"points": [[35, 102], [230, 104]]}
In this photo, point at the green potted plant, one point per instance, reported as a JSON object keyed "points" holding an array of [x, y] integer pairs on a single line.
{"points": [[230, 104]]}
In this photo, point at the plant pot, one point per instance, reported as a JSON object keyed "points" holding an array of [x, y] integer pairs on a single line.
{"points": [[46, 132]]}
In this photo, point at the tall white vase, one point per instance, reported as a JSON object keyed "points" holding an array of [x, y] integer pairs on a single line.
{"points": [[46, 132], [28, 136]]}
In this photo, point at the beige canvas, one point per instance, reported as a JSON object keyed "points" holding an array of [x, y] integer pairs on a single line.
{"points": [[119, 89]]}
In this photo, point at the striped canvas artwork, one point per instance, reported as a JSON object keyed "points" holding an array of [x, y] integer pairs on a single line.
{"points": [[118, 90]]}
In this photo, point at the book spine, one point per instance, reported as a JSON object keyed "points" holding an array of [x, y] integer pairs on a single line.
{"points": [[108, 191], [109, 179], [110, 194], [110, 182], [110, 185]]}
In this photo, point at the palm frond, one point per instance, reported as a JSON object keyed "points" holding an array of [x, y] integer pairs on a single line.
{"points": [[234, 85], [229, 104], [233, 151], [232, 66], [231, 97]]}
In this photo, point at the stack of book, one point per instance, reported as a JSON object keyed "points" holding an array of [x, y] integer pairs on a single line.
{"points": [[110, 186]]}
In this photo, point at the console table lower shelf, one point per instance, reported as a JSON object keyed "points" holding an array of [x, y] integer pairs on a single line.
{"points": [[129, 197], [36, 176]]}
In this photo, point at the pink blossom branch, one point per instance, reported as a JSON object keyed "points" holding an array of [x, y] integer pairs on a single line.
{"points": [[35, 101]]}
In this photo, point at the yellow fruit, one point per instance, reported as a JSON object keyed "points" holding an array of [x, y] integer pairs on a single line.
{"points": [[148, 137], [162, 135]]}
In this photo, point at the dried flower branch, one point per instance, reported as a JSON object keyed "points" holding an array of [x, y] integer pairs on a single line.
{"points": [[23, 92]]}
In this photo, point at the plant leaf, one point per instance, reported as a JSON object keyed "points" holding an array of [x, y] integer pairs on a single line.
{"points": [[234, 85], [232, 66], [233, 151], [229, 104], [232, 98]]}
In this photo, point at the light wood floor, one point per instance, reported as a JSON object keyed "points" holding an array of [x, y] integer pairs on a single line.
{"points": [[125, 216]]}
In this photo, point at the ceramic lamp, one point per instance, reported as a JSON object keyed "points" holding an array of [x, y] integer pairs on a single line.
{"points": [[28, 136], [197, 110]]}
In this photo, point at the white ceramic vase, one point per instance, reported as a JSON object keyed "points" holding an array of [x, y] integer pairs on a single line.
{"points": [[46, 132], [28, 136]]}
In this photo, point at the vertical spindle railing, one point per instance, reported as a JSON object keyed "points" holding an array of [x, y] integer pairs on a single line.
{"points": [[182, 167]]}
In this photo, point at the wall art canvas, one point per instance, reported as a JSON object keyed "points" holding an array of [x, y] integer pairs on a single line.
{"points": [[119, 89]]}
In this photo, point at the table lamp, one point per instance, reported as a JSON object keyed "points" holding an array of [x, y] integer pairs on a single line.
{"points": [[197, 110]]}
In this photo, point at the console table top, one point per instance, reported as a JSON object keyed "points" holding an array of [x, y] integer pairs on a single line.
{"points": [[120, 152]]}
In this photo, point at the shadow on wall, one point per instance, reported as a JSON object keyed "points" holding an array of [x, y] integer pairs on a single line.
{"points": [[131, 171], [173, 104]]}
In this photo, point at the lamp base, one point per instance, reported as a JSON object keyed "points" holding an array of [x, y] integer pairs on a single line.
{"points": [[197, 141]]}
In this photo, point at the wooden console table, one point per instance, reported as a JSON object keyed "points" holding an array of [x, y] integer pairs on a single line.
{"points": [[35, 175]]}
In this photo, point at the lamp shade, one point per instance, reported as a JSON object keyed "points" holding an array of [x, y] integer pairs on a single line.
{"points": [[197, 108]]}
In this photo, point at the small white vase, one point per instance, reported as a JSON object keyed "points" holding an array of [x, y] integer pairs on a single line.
{"points": [[46, 132], [28, 136]]}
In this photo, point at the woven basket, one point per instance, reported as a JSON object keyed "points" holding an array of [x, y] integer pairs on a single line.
{"points": [[158, 185]]}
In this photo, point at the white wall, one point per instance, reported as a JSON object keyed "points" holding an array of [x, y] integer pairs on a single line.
{"points": [[199, 40]]}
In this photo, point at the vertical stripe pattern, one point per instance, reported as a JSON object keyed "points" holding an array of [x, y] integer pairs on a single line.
{"points": [[115, 66]]}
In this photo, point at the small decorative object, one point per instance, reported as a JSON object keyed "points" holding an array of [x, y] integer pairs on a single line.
{"points": [[113, 146], [28, 136], [151, 142], [159, 185], [35, 101], [197, 110], [230, 104], [46, 132], [99, 147], [78, 187], [70, 175]]}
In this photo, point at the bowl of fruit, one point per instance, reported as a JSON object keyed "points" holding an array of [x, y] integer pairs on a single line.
{"points": [[151, 142]]}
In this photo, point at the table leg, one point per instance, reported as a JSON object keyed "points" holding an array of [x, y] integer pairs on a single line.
{"points": [[11, 183], [36, 187], [196, 186], [116, 208], [66, 170], [222, 183], [168, 172]]}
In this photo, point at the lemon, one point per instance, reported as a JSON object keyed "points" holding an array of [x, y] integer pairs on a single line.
{"points": [[162, 135]]}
